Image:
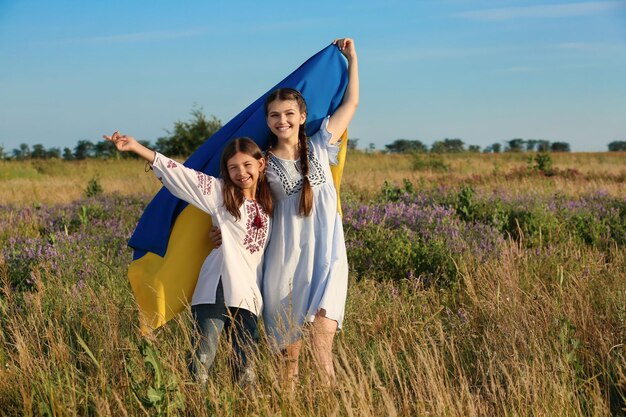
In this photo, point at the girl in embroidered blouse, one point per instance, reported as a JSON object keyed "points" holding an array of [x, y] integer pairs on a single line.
{"points": [[227, 295], [305, 272]]}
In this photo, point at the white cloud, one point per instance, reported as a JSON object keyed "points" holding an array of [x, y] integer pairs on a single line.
{"points": [[545, 11], [595, 47]]}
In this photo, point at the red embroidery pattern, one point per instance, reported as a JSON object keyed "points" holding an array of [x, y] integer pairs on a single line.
{"points": [[255, 236], [204, 183], [171, 164]]}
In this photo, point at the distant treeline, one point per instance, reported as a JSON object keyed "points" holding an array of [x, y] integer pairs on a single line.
{"points": [[513, 145], [181, 141], [188, 136]]}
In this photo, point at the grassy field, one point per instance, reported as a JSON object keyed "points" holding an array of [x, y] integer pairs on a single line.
{"points": [[60, 182], [480, 285]]}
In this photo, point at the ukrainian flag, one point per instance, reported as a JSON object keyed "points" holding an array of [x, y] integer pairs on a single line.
{"points": [[171, 239]]}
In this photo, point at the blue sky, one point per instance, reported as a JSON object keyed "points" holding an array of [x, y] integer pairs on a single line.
{"points": [[482, 71]]}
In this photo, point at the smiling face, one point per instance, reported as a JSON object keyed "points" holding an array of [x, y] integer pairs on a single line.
{"points": [[284, 119], [244, 171]]}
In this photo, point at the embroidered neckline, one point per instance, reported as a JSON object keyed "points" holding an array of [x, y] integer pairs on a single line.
{"points": [[257, 227], [273, 155], [289, 176], [258, 221]]}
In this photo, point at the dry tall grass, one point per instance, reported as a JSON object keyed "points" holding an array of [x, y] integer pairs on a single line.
{"points": [[60, 182], [57, 182], [365, 173], [516, 342]]}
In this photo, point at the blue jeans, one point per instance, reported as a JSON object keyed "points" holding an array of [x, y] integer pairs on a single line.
{"points": [[210, 320]]}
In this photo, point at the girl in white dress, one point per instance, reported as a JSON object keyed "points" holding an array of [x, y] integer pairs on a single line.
{"points": [[305, 274], [227, 294]]}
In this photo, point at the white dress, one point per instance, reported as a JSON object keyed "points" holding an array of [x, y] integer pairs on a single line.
{"points": [[306, 266], [239, 261]]}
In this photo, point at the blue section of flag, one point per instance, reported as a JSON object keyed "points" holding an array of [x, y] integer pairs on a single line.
{"points": [[322, 80]]}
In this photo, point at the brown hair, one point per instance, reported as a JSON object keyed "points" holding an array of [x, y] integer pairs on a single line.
{"points": [[306, 194], [233, 196]]}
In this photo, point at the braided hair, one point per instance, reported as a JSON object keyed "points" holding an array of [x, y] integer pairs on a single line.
{"points": [[306, 193]]}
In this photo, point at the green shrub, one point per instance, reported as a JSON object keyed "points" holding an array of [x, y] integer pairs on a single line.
{"points": [[93, 188], [396, 254], [394, 193], [429, 162], [543, 163]]}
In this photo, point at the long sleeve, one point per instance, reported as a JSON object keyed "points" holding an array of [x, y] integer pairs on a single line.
{"points": [[194, 187]]}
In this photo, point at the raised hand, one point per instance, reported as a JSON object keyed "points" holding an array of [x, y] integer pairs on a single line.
{"points": [[123, 143], [126, 143], [347, 48]]}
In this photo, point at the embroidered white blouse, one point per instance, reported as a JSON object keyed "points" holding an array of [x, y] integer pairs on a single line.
{"points": [[239, 261]]}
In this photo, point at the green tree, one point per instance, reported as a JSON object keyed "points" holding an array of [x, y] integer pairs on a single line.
{"points": [[448, 146], [495, 148], [23, 152], [53, 153], [406, 146], [104, 150], [353, 143], [84, 149], [531, 144], [39, 152], [473, 148], [188, 136], [559, 147], [67, 154], [617, 146], [515, 145], [543, 145]]}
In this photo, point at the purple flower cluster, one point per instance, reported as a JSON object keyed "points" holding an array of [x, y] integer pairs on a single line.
{"points": [[596, 219], [423, 234], [75, 241], [424, 220], [599, 203]]}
